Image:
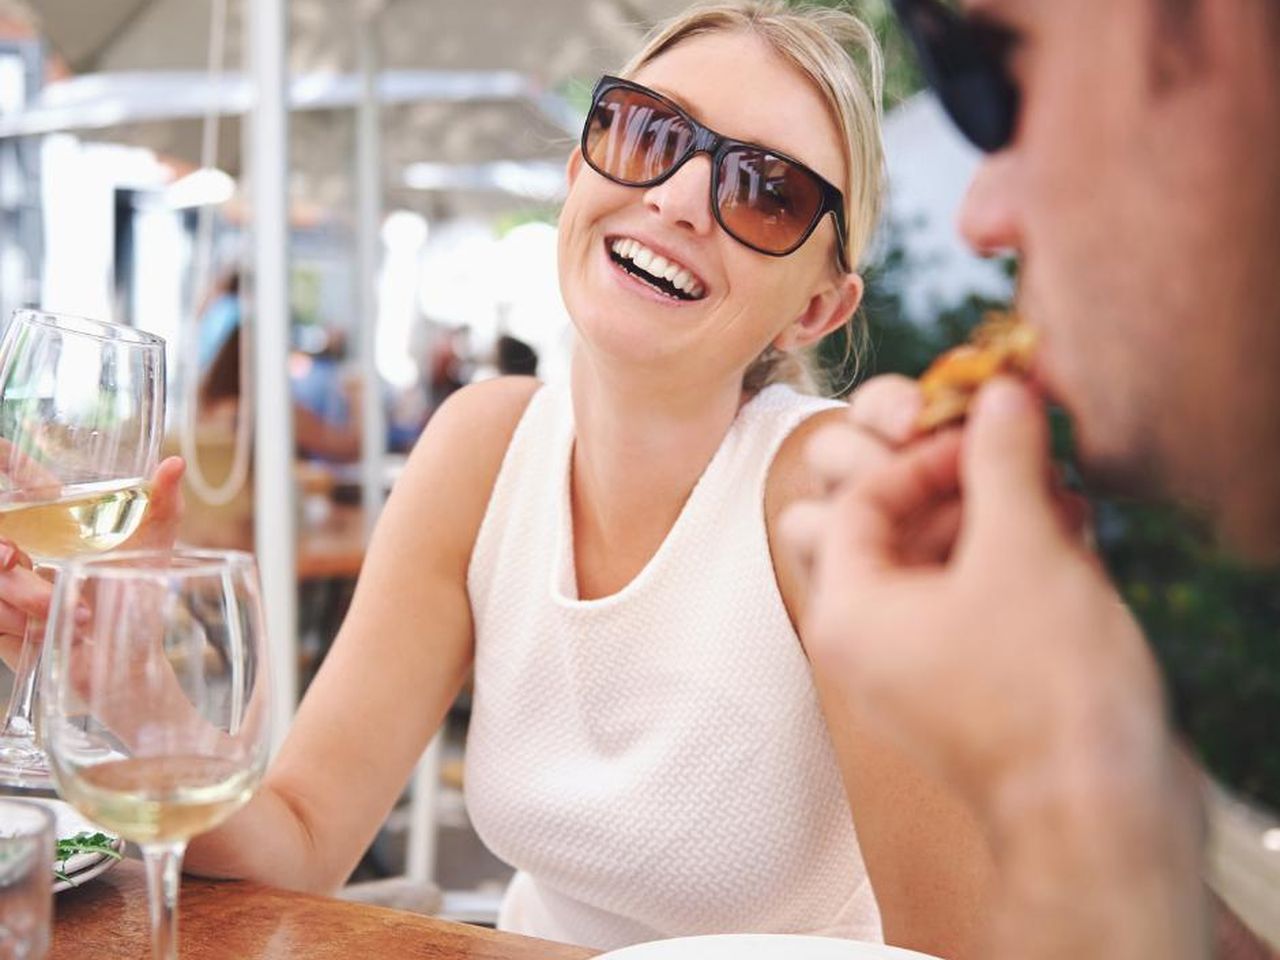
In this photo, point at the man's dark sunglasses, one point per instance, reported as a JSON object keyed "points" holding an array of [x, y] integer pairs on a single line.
{"points": [[762, 198], [965, 60]]}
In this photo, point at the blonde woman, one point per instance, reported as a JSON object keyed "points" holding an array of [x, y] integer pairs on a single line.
{"points": [[648, 744]]}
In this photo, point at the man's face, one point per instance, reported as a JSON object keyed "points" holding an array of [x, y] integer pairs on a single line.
{"points": [[1142, 193]]}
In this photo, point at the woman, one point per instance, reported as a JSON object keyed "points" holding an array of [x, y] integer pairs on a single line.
{"points": [[648, 745]]}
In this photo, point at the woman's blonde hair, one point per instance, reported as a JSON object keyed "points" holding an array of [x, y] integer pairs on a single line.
{"points": [[820, 42]]}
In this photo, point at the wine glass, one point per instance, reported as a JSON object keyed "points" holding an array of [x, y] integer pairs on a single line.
{"points": [[81, 422], [155, 702]]}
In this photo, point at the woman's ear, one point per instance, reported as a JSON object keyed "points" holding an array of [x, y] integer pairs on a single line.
{"points": [[827, 309]]}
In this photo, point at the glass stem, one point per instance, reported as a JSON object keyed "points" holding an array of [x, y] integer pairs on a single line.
{"points": [[17, 717], [164, 873]]}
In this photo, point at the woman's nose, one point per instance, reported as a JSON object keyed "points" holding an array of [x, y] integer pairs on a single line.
{"points": [[989, 216], [684, 198]]}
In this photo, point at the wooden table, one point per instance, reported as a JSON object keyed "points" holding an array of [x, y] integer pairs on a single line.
{"points": [[236, 920]]}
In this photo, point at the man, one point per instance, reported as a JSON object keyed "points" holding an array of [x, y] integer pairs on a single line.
{"points": [[1135, 170]]}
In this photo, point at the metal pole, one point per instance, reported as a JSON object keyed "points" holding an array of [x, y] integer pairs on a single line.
{"points": [[275, 521], [368, 242]]}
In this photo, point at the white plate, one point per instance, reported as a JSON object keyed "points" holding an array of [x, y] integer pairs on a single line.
{"points": [[760, 946], [83, 866]]}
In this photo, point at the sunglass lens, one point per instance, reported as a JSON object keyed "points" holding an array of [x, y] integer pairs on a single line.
{"points": [[766, 201], [634, 138]]}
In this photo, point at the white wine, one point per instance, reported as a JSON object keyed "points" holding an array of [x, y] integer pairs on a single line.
{"points": [[159, 799], [88, 519]]}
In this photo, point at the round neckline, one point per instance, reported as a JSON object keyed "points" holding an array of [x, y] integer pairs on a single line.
{"points": [[564, 571]]}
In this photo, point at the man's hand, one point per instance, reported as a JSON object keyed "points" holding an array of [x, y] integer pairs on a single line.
{"points": [[997, 649], [1005, 660]]}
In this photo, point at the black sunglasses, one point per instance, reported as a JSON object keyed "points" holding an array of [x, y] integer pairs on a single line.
{"points": [[762, 198], [965, 60]]}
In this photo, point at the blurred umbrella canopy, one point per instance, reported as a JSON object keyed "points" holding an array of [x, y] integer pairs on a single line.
{"points": [[543, 53]]}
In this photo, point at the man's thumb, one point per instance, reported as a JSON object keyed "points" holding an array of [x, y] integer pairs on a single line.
{"points": [[1006, 465]]}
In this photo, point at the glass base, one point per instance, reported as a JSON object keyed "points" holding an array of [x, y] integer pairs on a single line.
{"points": [[23, 764]]}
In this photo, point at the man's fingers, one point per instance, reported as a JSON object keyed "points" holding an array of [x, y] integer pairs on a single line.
{"points": [[929, 540], [841, 453], [888, 407], [802, 526], [1076, 514], [872, 514], [916, 479], [1006, 465]]}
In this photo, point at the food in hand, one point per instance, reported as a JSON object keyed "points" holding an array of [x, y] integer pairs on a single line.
{"points": [[1001, 344]]}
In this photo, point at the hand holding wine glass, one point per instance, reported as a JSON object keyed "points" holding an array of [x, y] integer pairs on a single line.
{"points": [[24, 594], [155, 701], [81, 421]]}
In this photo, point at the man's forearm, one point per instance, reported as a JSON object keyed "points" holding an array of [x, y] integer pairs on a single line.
{"points": [[1105, 867]]}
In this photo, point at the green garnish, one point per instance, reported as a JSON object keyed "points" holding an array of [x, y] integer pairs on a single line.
{"points": [[83, 843]]}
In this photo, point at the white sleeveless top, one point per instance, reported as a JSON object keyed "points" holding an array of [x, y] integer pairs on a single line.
{"points": [[654, 763]]}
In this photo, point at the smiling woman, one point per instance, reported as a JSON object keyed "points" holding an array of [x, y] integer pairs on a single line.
{"points": [[649, 745]]}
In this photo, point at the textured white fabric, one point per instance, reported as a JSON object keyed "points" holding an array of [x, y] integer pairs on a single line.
{"points": [[654, 762]]}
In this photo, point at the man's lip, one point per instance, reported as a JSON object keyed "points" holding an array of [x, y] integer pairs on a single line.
{"points": [[661, 251]]}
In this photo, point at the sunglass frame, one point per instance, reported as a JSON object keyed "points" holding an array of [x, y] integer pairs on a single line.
{"points": [[717, 146]]}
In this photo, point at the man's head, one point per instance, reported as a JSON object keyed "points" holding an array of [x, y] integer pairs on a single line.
{"points": [[1141, 189]]}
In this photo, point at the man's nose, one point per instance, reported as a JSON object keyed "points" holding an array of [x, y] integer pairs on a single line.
{"points": [[989, 215], [684, 198]]}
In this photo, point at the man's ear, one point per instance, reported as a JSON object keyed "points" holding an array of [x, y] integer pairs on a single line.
{"points": [[827, 309], [574, 166]]}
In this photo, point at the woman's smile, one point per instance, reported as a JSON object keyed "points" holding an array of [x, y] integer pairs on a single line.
{"points": [[655, 272]]}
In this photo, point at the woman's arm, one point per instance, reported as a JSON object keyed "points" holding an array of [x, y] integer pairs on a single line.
{"points": [[925, 854], [394, 668]]}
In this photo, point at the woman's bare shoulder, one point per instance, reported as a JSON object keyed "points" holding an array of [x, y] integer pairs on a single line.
{"points": [[475, 424], [790, 476], [449, 477]]}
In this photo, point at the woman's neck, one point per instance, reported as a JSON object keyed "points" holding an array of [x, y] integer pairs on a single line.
{"points": [[640, 447]]}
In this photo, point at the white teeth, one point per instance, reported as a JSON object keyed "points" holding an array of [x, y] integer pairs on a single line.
{"points": [[657, 266]]}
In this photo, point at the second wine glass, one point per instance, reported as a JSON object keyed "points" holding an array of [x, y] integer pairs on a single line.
{"points": [[156, 702]]}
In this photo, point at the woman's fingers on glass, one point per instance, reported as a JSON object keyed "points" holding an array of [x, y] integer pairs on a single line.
{"points": [[24, 593], [11, 648], [12, 555], [159, 529], [887, 406]]}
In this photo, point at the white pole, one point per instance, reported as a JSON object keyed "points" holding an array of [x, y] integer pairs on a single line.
{"points": [[368, 241], [421, 857], [274, 514]]}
